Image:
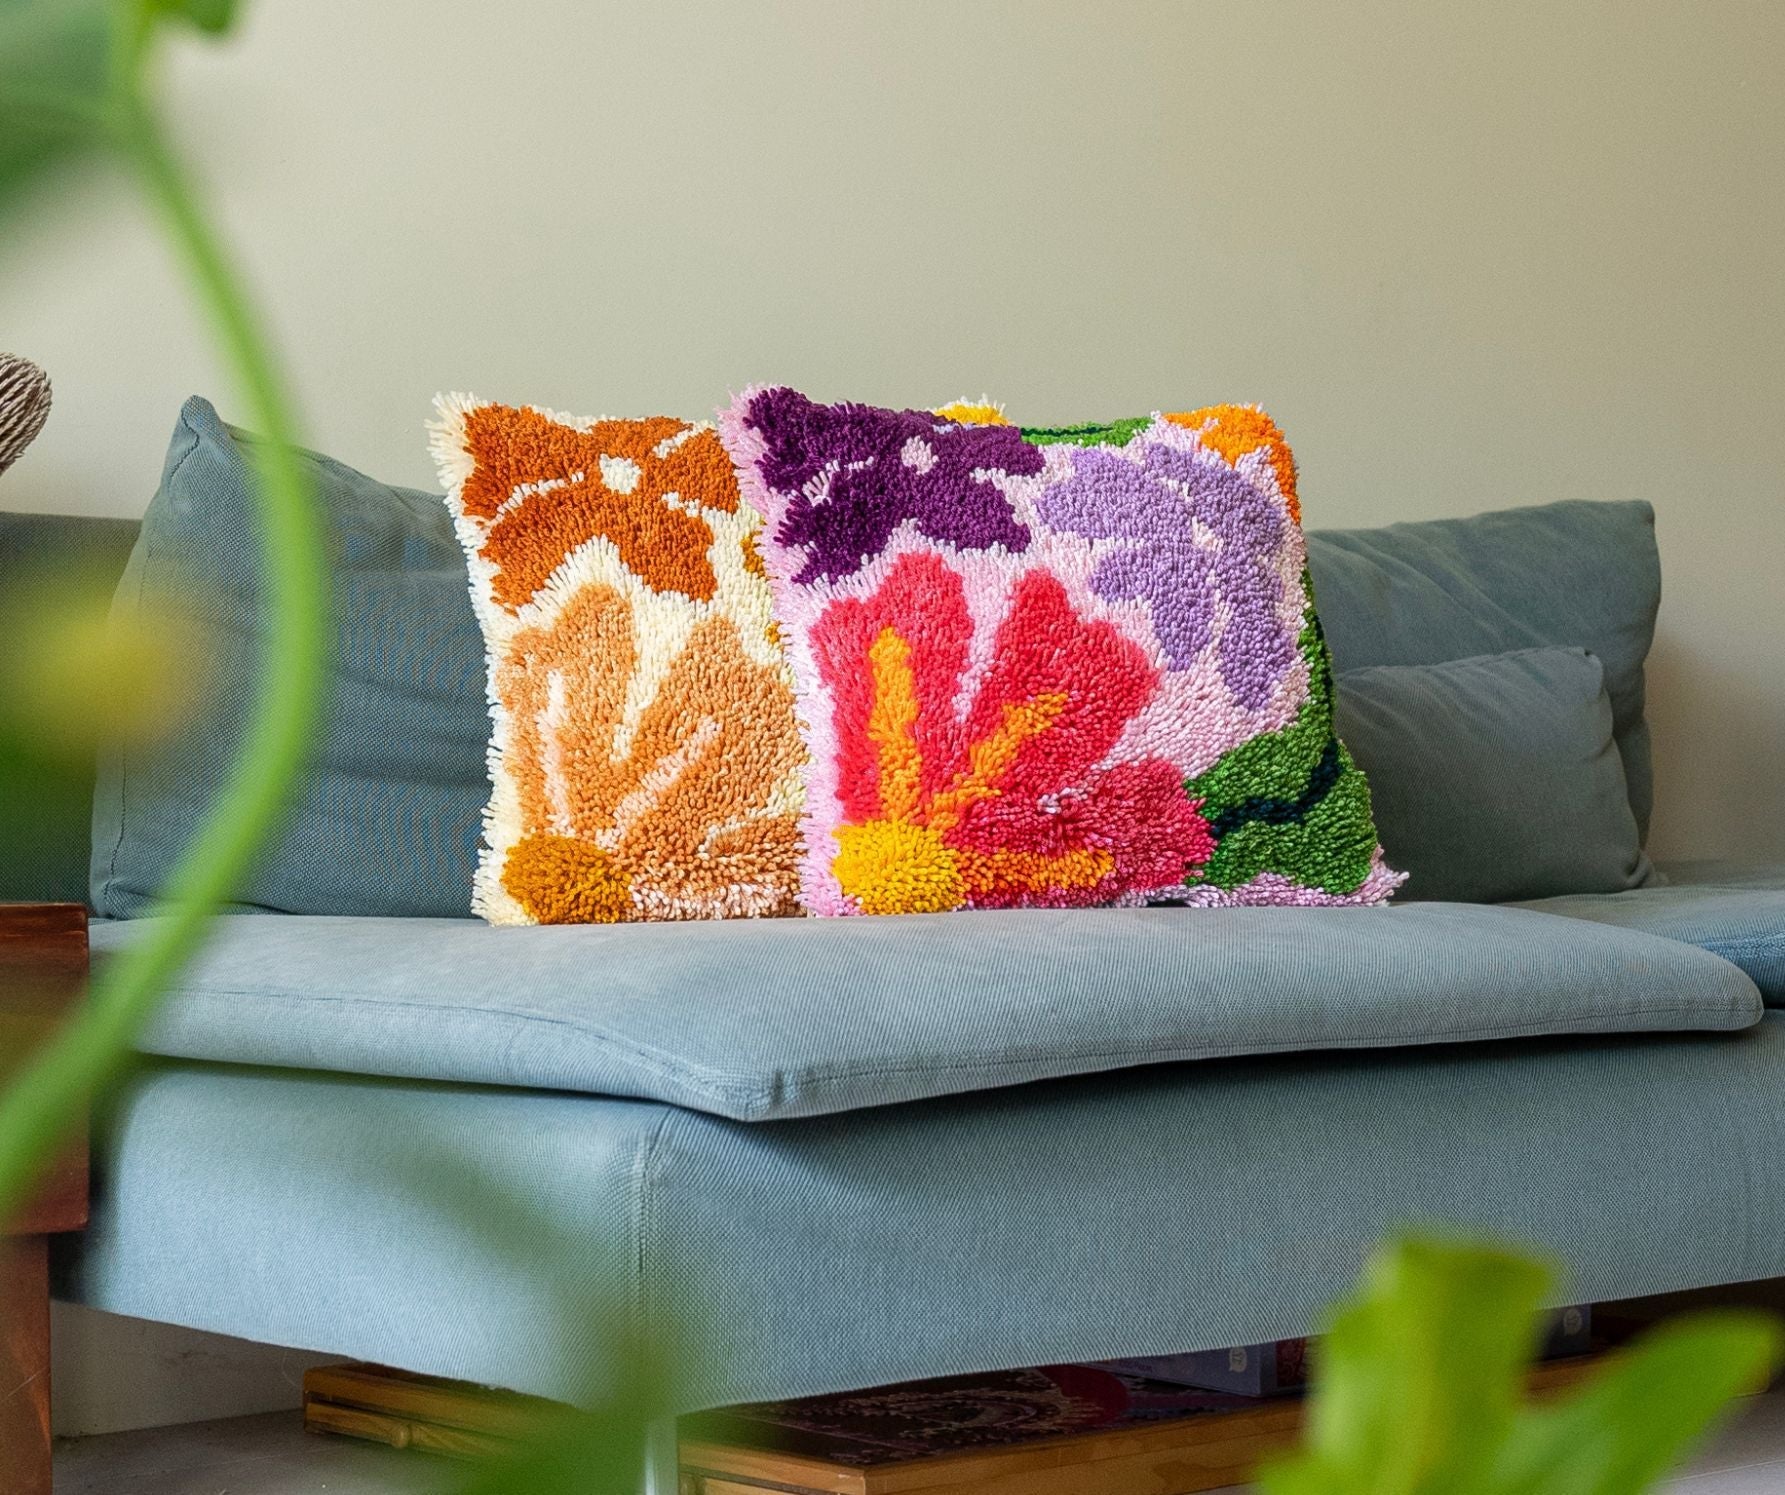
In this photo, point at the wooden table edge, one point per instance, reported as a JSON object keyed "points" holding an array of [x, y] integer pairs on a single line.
{"points": [[43, 969]]}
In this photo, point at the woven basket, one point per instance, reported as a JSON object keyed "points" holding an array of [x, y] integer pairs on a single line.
{"points": [[24, 405]]}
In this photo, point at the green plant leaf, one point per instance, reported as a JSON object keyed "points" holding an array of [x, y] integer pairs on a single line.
{"points": [[54, 61], [1419, 1388], [1419, 1378], [214, 16], [598, 1452], [1639, 1416], [1423, 1377], [56, 44], [85, 1057]]}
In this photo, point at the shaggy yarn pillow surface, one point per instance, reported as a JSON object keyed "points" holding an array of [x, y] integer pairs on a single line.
{"points": [[645, 762], [1054, 667]]}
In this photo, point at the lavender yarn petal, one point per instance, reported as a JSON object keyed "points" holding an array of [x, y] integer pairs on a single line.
{"points": [[1151, 503]]}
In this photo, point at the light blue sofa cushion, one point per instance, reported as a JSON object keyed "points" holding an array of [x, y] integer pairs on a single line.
{"points": [[385, 815], [1574, 573], [755, 1019], [1732, 909], [1495, 777], [1180, 1208]]}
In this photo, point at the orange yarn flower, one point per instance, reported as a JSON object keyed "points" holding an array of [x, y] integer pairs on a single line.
{"points": [[1235, 430], [646, 758], [545, 487]]}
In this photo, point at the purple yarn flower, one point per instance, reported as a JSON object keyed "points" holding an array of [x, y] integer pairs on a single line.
{"points": [[1150, 505], [888, 466]]}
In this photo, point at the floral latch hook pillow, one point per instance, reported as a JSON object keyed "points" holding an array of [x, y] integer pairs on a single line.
{"points": [[1052, 667], [645, 761]]}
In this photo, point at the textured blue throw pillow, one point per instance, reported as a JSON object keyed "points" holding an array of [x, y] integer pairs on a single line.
{"points": [[1496, 777], [1574, 574], [385, 817]]}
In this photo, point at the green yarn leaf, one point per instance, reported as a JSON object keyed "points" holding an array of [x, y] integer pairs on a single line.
{"points": [[1115, 433], [1330, 848], [1270, 789], [1276, 765]]}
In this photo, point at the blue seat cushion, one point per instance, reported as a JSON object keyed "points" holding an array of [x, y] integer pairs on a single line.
{"points": [[790, 1017], [1732, 909], [1181, 1208]]}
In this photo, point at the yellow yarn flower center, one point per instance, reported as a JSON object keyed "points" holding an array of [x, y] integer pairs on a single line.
{"points": [[980, 412], [897, 867]]}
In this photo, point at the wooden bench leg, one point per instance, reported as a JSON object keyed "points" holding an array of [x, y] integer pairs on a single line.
{"points": [[25, 1365]]}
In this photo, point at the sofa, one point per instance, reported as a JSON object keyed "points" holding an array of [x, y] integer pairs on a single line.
{"points": [[809, 1155]]}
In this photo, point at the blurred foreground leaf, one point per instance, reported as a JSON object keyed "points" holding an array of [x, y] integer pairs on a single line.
{"points": [[55, 79], [1643, 1413], [215, 16], [69, 681], [74, 73], [600, 1452], [1420, 1388], [73, 679]]}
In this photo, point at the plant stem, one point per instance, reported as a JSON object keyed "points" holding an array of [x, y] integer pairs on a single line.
{"points": [[47, 1095]]}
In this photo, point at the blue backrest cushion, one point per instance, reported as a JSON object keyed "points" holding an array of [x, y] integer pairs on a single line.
{"points": [[1578, 574], [1496, 777], [385, 817], [66, 567]]}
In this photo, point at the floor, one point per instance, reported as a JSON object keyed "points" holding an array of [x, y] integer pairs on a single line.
{"points": [[269, 1454], [272, 1455]]}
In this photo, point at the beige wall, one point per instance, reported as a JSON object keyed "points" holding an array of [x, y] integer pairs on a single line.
{"points": [[1470, 255]]}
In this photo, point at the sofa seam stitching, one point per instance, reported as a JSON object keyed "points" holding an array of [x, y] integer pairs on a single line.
{"points": [[644, 1223]]}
